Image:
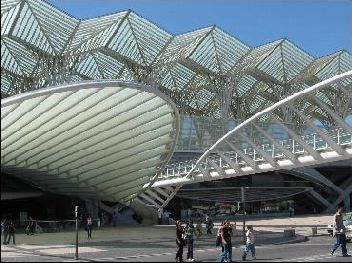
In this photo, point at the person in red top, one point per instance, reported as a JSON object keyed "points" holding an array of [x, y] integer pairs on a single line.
{"points": [[179, 241]]}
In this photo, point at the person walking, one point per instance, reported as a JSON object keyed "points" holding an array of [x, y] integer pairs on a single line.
{"points": [[189, 230], [218, 237], [210, 226], [12, 231], [249, 247], [89, 226], [292, 211], [30, 227], [5, 230], [114, 218], [226, 233], [179, 241], [339, 232], [160, 216], [199, 229], [167, 217]]}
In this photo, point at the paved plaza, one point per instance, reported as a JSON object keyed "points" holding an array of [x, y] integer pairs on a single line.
{"points": [[157, 243]]}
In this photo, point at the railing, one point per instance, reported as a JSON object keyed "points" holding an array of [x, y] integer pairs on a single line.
{"points": [[340, 136]]}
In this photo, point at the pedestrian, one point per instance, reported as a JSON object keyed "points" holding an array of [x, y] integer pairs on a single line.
{"points": [[114, 218], [189, 230], [218, 237], [30, 227], [249, 247], [12, 231], [104, 219], [292, 211], [89, 226], [160, 216], [209, 225], [5, 230], [167, 217], [189, 213], [339, 233], [199, 229], [226, 233], [179, 241]]}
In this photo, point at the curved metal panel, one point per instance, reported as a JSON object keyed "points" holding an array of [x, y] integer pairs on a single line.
{"points": [[95, 138]]}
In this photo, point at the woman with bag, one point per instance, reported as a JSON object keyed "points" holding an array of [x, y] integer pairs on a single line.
{"points": [[179, 241]]}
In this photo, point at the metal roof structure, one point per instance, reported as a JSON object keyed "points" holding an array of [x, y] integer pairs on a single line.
{"points": [[207, 72], [233, 194], [102, 139], [252, 147]]}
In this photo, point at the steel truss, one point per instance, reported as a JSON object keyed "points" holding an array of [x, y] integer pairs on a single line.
{"points": [[207, 72], [252, 147]]}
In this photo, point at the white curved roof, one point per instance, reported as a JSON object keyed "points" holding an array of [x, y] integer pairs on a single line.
{"points": [[99, 138]]}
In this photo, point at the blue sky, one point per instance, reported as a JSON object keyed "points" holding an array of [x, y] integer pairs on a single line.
{"points": [[320, 27]]}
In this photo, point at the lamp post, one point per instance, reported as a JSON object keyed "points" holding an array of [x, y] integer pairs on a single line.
{"points": [[76, 217], [243, 200]]}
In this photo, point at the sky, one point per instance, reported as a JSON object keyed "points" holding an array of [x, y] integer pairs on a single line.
{"points": [[320, 27]]}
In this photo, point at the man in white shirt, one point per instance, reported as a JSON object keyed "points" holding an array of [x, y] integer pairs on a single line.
{"points": [[249, 244]]}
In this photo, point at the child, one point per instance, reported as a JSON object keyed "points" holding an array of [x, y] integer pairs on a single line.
{"points": [[249, 244]]}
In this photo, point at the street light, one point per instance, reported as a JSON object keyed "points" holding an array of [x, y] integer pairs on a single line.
{"points": [[243, 200], [76, 217]]}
